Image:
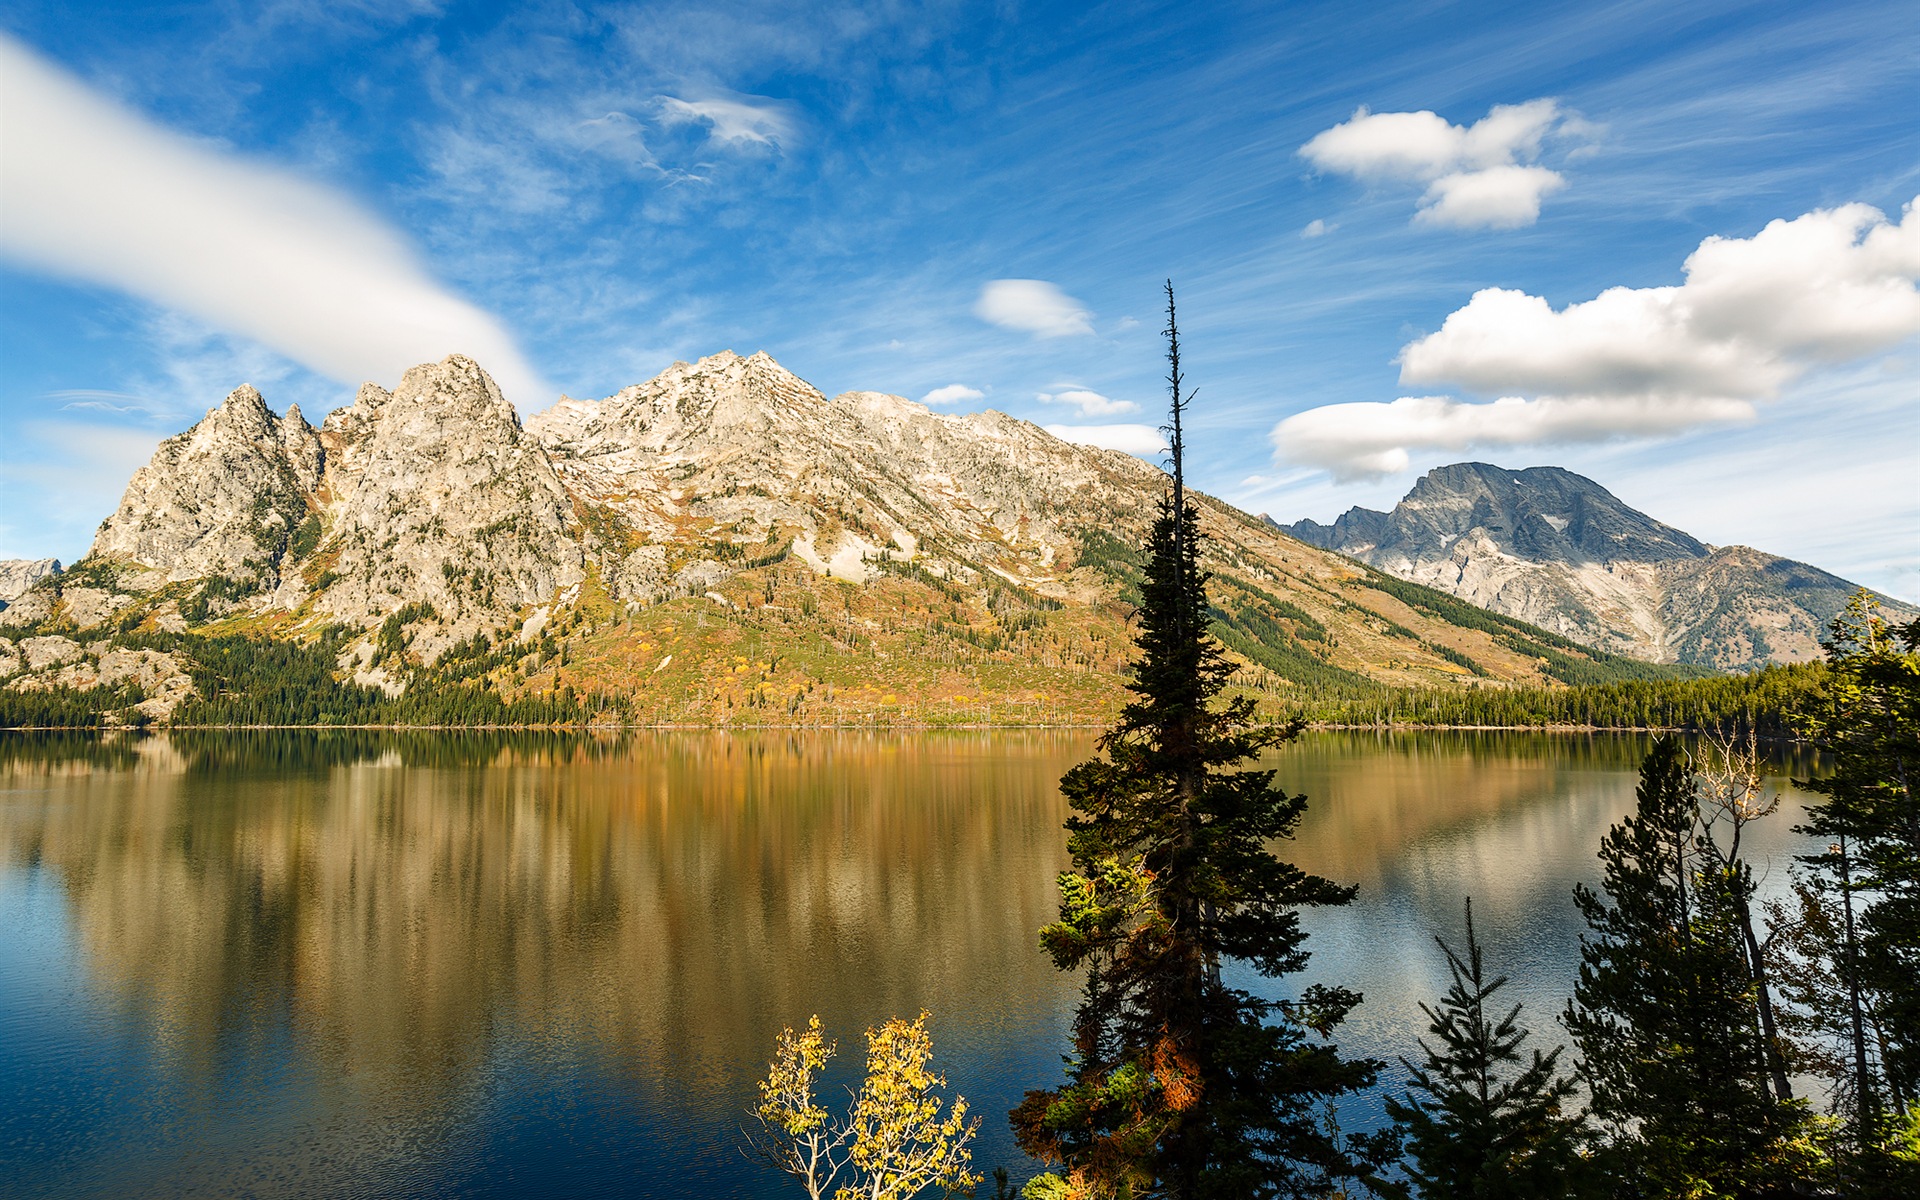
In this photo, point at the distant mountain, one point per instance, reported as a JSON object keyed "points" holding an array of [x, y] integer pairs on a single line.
{"points": [[722, 543], [1558, 550], [18, 575]]}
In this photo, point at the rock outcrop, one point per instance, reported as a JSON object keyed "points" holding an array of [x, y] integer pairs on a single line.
{"points": [[1558, 550], [19, 575], [221, 500], [757, 459], [50, 662]]}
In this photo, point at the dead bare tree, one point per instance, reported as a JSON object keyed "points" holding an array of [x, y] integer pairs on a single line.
{"points": [[1735, 793]]}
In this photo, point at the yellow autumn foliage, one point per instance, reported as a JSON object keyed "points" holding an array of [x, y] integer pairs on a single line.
{"points": [[895, 1144]]}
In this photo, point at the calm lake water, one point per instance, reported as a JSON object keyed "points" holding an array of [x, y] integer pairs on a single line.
{"points": [[475, 965]]}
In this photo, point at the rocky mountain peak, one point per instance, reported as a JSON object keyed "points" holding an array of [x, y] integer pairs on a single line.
{"points": [[440, 498], [1555, 548], [243, 409], [1546, 514], [455, 388], [220, 499], [721, 401]]}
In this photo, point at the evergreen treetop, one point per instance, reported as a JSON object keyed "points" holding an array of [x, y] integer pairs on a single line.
{"points": [[1488, 1124]]}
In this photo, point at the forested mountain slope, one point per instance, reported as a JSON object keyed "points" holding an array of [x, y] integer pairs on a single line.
{"points": [[723, 543]]}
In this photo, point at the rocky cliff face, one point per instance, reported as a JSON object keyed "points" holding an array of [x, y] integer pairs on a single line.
{"points": [[221, 499], [18, 575], [1560, 551], [434, 495], [746, 457]]}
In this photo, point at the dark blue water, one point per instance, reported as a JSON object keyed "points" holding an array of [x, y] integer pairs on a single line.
{"points": [[367, 965]]}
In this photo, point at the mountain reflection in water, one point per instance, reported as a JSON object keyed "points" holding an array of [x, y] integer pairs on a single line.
{"points": [[353, 963]]}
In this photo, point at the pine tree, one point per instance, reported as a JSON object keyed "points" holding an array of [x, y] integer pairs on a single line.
{"points": [[1490, 1124], [1867, 718], [1664, 1013], [1179, 1084]]}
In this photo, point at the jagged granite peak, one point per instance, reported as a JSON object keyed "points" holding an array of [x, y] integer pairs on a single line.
{"points": [[220, 499], [440, 498], [1542, 514], [745, 449], [721, 399], [1557, 549], [431, 494], [19, 575]]}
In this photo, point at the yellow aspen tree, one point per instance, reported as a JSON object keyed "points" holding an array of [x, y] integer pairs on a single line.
{"points": [[895, 1143], [902, 1145], [796, 1134]]}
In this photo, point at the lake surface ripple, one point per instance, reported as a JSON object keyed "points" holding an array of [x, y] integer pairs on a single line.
{"points": [[388, 964]]}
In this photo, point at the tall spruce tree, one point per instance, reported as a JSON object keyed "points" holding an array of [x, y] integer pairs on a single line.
{"points": [[1179, 1084], [1664, 1013], [1488, 1124]]}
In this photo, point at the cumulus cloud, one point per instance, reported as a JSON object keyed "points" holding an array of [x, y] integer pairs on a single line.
{"points": [[1032, 306], [1087, 402], [1143, 440], [94, 192], [1317, 228], [740, 121], [1496, 198], [953, 393], [1752, 316], [1477, 176], [1368, 439]]}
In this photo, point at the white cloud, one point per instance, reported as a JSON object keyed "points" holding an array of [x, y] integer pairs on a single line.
{"points": [[1317, 228], [1086, 402], [1753, 312], [1752, 316], [95, 192], [1366, 439], [1033, 306], [1143, 440], [1496, 198], [1477, 176], [953, 393], [735, 121]]}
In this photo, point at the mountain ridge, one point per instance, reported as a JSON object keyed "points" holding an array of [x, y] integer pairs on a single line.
{"points": [[720, 543], [1558, 550]]}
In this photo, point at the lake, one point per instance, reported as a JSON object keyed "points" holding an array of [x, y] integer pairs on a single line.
{"points": [[438, 964]]}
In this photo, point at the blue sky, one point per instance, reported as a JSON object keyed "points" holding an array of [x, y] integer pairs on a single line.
{"points": [[979, 203]]}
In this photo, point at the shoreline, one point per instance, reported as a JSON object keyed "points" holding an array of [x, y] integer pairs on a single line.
{"points": [[903, 726]]}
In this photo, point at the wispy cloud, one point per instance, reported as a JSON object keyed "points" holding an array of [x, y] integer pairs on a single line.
{"points": [[96, 192], [737, 121], [1086, 402], [1032, 306], [1142, 440], [1478, 176], [1753, 315], [96, 400], [953, 393]]}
